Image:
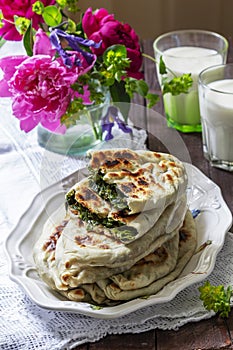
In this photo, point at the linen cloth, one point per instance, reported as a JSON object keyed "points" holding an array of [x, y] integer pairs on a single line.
{"points": [[25, 169]]}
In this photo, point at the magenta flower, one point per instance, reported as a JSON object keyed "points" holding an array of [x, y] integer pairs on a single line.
{"points": [[41, 92], [40, 86], [101, 26], [20, 8]]}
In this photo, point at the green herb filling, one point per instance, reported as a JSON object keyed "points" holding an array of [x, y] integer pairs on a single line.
{"points": [[108, 192], [87, 216]]}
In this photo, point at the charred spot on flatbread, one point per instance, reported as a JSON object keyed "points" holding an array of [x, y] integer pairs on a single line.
{"points": [[50, 244], [101, 157]]}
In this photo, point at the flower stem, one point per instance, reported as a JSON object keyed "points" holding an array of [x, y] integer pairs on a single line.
{"points": [[94, 128], [148, 56], [2, 42], [154, 60]]}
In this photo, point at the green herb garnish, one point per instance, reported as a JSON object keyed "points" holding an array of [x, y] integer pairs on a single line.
{"points": [[96, 307], [216, 298], [178, 84]]}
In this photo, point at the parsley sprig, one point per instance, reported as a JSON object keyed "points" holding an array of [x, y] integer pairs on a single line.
{"points": [[216, 298]]}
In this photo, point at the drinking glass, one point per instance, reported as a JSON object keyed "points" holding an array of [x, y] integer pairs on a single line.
{"points": [[187, 51], [216, 107]]}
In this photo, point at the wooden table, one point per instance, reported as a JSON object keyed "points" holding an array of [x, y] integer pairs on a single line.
{"points": [[214, 333]]}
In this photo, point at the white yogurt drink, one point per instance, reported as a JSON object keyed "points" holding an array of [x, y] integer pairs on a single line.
{"points": [[216, 106], [184, 52], [184, 108]]}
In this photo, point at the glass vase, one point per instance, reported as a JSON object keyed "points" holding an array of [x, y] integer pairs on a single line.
{"points": [[79, 138]]}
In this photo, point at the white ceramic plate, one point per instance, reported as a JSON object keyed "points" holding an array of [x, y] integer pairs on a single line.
{"points": [[213, 222]]}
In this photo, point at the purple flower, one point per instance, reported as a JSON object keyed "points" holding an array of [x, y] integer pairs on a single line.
{"points": [[49, 45], [58, 35], [108, 121]]}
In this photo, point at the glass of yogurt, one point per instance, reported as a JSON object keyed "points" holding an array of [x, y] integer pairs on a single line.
{"points": [[187, 51], [216, 107]]}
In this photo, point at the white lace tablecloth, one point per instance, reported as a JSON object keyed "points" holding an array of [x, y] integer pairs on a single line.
{"points": [[24, 170]]}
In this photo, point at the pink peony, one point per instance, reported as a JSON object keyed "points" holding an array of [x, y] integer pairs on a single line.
{"points": [[40, 86], [40, 90], [101, 25], [20, 8]]}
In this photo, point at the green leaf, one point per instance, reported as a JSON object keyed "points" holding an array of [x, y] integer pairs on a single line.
{"points": [[118, 76], [52, 16], [162, 66], [1, 19], [152, 99], [69, 5], [79, 28], [142, 87], [28, 41], [71, 26], [62, 3], [177, 85]]}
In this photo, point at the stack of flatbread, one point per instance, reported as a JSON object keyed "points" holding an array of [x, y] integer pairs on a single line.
{"points": [[125, 233]]}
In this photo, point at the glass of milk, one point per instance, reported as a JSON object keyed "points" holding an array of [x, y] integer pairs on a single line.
{"points": [[216, 107], [187, 51]]}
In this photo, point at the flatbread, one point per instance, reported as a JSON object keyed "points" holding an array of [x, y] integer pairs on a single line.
{"points": [[146, 179], [79, 247], [150, 268], [187, 246], [108, 292], [85, 256]]}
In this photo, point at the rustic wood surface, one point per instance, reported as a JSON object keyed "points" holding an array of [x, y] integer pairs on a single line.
{"points": [[211, 334]]}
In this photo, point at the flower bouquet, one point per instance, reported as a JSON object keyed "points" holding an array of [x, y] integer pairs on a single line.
{"points": [[69, 67]]}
